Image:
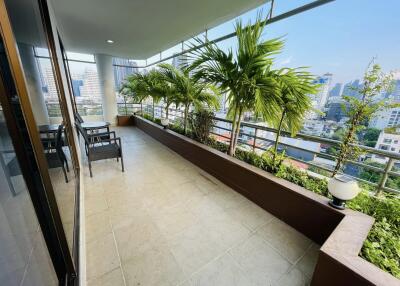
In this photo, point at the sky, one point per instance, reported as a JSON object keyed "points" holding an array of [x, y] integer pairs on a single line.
{"points": [[340, 37]]}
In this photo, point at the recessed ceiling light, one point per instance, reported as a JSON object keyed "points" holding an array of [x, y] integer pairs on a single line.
{"points": [[110, 41]]}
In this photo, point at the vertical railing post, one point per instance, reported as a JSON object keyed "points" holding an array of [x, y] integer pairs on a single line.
{"points": [[254, 139], [385, 176]]}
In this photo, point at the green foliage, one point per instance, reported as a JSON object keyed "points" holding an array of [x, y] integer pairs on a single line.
{"points": [[201, 122], [370, 136], [148, 117], [251, 158], [247, 77], [134, 88], [217, 145], [294, 87], [382, 247], [190, 90], [361, 110], [274, 160]]}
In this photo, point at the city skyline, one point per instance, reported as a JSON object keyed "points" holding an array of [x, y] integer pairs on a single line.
{"points": [[314, 39]]}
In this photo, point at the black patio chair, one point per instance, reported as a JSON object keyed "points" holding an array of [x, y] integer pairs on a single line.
{"points": [[94, 130], [56, 157], [101, 146]]}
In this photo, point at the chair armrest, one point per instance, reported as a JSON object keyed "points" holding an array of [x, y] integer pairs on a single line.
{"points": [[101, 134], [96, 128], [116, 139]]}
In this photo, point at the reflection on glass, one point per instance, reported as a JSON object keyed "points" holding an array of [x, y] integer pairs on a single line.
{"points": [[45, 102], [86, 89], [80, 57], [24, 259]]}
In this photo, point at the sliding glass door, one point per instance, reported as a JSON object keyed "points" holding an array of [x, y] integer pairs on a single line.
{"points": [[39, 170]]}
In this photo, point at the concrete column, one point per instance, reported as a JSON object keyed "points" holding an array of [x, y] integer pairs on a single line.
{"points": [[105, 71], [34, 84]]}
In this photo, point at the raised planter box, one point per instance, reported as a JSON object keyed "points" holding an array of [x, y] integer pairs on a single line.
{"points": [[341, 233], [125, 120]]}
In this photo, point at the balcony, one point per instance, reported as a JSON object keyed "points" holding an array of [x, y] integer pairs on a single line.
{"points": [[190, 209], [164, 221]]}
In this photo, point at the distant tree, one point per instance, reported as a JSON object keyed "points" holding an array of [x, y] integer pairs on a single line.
{"points": [[370, 136]]}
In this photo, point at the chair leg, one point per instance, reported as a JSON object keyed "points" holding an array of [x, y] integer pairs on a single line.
{"points": [[122, 164], [66, 164], [90, 169]]}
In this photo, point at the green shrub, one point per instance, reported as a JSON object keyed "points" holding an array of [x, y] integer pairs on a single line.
{"points": [[148, 117], [382, 247], [217, 145], [201, 122]]}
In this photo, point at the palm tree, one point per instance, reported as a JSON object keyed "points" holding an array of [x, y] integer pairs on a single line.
{"points": [[191, 91], [164, 90], [247, 77], [151, 80], [294, 87], [134, 86]]}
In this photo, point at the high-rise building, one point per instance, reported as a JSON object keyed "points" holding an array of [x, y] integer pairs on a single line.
{"points": [[337, 110], [321, 98], [76, 85], [350, 88], [336, 90], [48, 77], [386, 118], [123, 68], [389, 140], [90, 89]]}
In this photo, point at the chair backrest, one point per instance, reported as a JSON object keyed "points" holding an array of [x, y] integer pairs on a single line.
{"points": [[78, 117], [59, 142], [82, 132]]}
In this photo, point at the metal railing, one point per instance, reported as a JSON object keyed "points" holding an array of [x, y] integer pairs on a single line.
{"points": [[84, 109], [174, 114], [253, 137]]}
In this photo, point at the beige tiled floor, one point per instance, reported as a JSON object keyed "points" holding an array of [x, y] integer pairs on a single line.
{"points": [[166, 222]]}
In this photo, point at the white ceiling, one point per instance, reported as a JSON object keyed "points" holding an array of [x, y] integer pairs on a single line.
{"points": [[140, 28]]}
